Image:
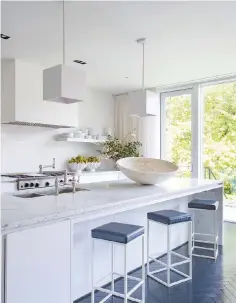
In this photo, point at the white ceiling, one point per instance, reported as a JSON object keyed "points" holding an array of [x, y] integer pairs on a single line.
{"points": [[185, 40]]}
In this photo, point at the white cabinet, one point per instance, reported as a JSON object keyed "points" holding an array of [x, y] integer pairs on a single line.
{"points": [[38, 265]]}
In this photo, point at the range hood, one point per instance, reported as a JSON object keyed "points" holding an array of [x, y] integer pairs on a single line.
{"points": [[22, 98]]}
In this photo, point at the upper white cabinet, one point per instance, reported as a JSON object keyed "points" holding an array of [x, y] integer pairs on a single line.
{"points": [[37, 265], [143, 103], [22, 97]]}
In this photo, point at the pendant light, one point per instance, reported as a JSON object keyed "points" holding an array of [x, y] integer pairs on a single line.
{"points": [[144, 102], [63, 83]]}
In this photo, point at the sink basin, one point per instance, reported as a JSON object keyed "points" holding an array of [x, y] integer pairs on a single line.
{"points": [[30, 195], [65, 190]]}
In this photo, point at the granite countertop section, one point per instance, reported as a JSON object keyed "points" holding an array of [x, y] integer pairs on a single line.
{"points": [[102, 198]]}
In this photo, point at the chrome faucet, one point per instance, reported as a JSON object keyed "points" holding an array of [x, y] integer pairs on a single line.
{"points": [[73, 184], [56, 186], [41, 166]]}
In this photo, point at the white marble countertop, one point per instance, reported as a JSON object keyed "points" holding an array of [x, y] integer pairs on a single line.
{"points": [[102, 199], [84, 173]]}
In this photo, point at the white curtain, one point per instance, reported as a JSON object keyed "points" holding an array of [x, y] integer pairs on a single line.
{"points": [[147, 129], [124, 122]]}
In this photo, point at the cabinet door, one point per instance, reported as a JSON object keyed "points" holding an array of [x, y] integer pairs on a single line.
{"points": [[38, 265]]}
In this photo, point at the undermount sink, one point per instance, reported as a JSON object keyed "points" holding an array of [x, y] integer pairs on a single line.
{"points": [[30, 195], [65, 190]]}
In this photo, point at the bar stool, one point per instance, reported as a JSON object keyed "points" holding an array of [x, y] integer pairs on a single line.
{"points": [[210, 206], [120, 234], [170, 218]]}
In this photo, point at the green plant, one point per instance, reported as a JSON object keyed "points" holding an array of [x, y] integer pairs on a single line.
{"points": [[227, 187], [78, 159], [93, 159], [116, 149]]}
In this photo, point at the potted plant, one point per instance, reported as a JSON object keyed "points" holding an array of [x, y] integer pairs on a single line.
{"points": [[93, 163], [77, 164], [116, 149]]}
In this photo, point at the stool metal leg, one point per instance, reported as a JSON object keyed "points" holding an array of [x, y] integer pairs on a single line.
{"points": [[125, 276], [148, 230], [213, 235], [193, 230], [168, 267], [216, 234], [190, 248], [143, 270], [112, 267], [92, 270], [168, 254]]}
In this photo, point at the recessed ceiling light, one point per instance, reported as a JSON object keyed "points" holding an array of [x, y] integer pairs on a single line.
{"points": [[80, 62], [126, 77], [5, 37]]}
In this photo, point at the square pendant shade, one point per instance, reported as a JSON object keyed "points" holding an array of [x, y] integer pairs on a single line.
{"points": [[144, 103], [64, 84]]}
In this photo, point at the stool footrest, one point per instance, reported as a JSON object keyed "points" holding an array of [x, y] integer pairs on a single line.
{"points": [[117, 294], [204, 248], [179, 255], [186, 278], [205, 256], [128, 276], [202, 234]]}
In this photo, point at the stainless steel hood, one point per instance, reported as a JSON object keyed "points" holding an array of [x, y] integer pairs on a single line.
{"points": [[38, 124]]}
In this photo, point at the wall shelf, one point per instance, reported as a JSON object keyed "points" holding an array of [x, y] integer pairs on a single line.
{"points": [[80, 140]]}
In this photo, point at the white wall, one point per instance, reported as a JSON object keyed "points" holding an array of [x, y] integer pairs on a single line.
{"points": [[97, 111], [23, 148]]}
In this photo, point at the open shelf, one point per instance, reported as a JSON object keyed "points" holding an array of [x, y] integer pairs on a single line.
{"points": [[80, 140]]}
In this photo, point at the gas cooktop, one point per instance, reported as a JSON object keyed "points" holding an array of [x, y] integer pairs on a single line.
{"points": [[34, 180]]}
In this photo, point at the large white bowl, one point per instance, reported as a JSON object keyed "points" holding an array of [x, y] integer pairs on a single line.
{"points": [[147, 170]]}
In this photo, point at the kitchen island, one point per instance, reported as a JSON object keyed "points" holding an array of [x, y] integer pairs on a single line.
{"points": [[47, 239]]}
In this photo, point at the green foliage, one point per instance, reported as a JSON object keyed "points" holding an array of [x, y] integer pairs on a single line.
{"points": [[116, 149], [93, 159], [228, 187], [78, 159], [219, 148]]}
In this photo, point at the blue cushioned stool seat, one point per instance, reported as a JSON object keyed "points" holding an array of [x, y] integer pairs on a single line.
{"points": [[204, 204], [118, 232], [169, 216]]}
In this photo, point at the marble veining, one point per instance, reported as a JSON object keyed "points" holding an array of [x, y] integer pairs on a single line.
{"points": [[102, 199]]}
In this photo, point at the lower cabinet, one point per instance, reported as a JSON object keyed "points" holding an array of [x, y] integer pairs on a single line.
{"points": [[37, 265]]}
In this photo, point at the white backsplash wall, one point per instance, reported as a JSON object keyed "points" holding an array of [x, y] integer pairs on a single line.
{"points": [[23, 148], [97, 111]]}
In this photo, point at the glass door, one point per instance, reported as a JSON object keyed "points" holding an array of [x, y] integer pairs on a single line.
{"points": [[176, 129], [219, 140]]}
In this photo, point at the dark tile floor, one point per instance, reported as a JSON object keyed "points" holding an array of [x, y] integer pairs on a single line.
{"points": [[213, 282]]}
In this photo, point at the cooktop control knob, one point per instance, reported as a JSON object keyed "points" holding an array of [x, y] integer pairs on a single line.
{"points": [[26, 184], [47, 184], [31, 184], [37, 184]]}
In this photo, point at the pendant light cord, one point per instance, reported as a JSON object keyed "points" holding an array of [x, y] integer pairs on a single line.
{"points": [[142, 41], [63, 33], [143, 67]]}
